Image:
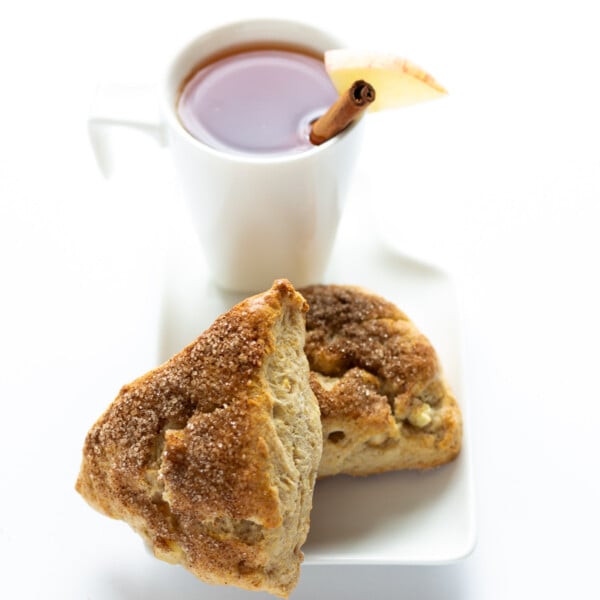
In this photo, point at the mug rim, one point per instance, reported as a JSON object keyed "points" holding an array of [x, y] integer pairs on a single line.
{"points": [[170, 112]]}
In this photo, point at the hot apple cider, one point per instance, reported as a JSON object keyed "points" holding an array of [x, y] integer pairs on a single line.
{"points": [[256, 100]]}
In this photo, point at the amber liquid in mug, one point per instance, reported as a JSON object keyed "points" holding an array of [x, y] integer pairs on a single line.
{"points": [[256, 99]]}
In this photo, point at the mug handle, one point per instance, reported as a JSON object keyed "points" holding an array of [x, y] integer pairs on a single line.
{"points": [[123, 105]]}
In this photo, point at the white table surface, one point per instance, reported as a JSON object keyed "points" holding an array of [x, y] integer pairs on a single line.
{"points": [[499, 185]]}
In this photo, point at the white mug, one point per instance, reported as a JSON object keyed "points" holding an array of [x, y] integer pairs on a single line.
{"points": [[258, 217]]}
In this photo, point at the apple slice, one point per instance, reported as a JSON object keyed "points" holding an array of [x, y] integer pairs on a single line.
{"points": [[397, 81]]}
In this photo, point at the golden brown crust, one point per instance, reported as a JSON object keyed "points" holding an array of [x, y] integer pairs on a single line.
{"points": [[191, 456], [384, 402]]}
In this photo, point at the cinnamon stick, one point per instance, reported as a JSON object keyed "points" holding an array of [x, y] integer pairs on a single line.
{"points": [[342, 112]]}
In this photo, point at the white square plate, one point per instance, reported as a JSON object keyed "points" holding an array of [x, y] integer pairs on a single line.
{"points": [[402, 518]]}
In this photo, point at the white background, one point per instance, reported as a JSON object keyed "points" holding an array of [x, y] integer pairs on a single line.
{"points": [[499, 184]]}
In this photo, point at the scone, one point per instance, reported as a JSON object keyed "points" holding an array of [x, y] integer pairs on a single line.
{"points": [[384, 402], [212, 456]]}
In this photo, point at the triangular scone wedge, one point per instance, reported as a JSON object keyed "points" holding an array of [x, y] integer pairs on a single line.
{"points": [[384, 402], [212, 457]]}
